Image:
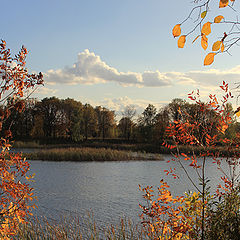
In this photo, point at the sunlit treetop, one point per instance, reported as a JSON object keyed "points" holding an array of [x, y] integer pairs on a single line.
{"points": [[203, 24]]}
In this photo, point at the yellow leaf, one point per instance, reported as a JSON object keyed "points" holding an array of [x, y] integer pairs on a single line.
{"points": [[181, 41], [238, 114], [216, 46], [176, 30], [218, 19], [206, 29], [223, 3], [209, 59], [203, 14], [222, 47], [204, 42]]}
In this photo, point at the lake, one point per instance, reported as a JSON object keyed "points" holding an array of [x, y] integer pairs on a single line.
{"points": [[108, 189]]}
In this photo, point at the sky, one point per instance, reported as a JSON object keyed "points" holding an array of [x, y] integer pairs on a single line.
{"points": [[115, 53]]}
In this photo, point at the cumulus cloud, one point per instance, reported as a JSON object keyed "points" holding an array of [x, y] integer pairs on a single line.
{"points": [[90, 69]]}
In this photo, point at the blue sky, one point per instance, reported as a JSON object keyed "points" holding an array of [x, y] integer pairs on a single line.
{"points": [[113, 53]]}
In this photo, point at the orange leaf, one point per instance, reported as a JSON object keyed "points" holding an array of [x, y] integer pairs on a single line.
{"points": [[216, 46], [176, 30], [182, 41], [222, 47], [218, 19], [209, 59], [223, 3], [204, 42], [206, 29]]}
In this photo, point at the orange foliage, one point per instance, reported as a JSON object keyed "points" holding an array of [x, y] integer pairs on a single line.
{"points": [[15, 192], [185, 217], [199, 15]]}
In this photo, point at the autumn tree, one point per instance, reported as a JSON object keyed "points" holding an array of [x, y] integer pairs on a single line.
{"points": [[106, 121], [22, 122], [89, 121], [48, 108], [161, 123], [201, 215], [15, 192], [126, 124], [203, 23], [74, 115]]}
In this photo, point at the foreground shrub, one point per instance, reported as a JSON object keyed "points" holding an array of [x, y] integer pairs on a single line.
{"points": [[203, 214], [15, 192]]}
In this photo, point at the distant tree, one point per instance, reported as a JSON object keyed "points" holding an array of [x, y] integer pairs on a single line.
{"points": [[37, 130], [129, 112], [146, 123], [89, 121], [22, 122], [49, 108], [106, 121], [173, 109], [126, 124], [148, 116], [74, 115], [161, 123]]}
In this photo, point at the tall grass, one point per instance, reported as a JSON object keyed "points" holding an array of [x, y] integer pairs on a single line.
{"points": [[79, 154], [89, 154], [41, 229], [21, 144]]}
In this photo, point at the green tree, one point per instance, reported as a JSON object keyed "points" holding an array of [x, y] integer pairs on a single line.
{"points": [[106, 122], [89, 121], [74, 115], [146, 123]]}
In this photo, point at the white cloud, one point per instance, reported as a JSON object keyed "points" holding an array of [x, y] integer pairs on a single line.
{"points": [[90, 69]]}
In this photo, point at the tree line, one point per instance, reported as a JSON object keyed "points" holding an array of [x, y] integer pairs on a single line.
{"points": [[70, 120]]}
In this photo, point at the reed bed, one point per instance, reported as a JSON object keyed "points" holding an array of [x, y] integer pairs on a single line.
{"points": [[21, 144], [41, 229], [89, 154], [79, 154]]}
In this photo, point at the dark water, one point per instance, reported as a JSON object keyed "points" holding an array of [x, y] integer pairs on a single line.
{"points": [[109, 189]]}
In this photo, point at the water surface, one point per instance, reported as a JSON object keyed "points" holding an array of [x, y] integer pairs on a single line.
{"points": [[109, 189]]}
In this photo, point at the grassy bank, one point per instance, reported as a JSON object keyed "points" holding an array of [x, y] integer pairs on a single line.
{"points": [[88, 154]]}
